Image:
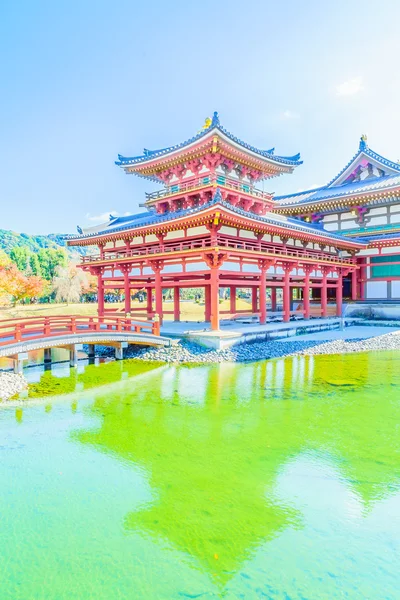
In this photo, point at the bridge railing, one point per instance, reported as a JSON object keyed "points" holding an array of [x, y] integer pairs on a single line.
{"points": [[36, 328]]}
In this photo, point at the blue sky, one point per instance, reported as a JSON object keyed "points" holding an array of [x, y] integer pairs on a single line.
{"points": [[84, 81]]}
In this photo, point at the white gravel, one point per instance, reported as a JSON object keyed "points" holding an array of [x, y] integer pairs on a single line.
{"points": [[11, 384], [185, 352]]}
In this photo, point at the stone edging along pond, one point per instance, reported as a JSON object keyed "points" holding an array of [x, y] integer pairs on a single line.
{"points": [[186, 352], [11, 384]]}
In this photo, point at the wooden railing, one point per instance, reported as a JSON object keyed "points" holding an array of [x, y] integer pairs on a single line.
{"points": [[37, 328], [204, 244], [200, 182]]}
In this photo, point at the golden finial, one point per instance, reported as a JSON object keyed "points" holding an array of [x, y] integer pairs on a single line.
{"points": [[207, 123], [364, 137]]}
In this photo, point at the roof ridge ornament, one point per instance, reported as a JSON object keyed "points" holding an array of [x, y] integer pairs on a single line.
{"points": [[217, 196], [363, 142], [210, 123], [215, 120]]}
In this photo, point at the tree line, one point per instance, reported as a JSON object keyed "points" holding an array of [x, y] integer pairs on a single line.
{"points": [[45, 275]]}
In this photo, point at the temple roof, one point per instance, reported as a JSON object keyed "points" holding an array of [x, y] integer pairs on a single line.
{"points": [[364, 153], [117, 224], [212, 126], [366, 172]]}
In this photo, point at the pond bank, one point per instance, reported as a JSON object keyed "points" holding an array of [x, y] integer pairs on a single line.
{"points": [[186, 352], [11, 384]]}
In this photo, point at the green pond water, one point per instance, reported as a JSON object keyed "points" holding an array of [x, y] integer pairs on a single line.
{"points": [[278, 479]]}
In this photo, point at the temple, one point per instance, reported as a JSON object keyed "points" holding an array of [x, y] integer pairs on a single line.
{"points": [[212, 225]]}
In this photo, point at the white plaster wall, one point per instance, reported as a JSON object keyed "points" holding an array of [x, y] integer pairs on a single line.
{"points": [[378, 211], [348, 225], [331, 226], [201, 230], [376, 289], [151, 238], [395, 218], [368, 252], [172, 235], [377, 221], [246, 234], [227, 230], [137, 240], [391, 250], [330, 218]]}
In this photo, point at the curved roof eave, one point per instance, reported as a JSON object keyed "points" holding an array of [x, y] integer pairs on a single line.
{"points": [[215, 126]]}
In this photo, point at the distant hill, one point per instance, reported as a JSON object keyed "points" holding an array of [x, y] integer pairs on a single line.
{"points": [[10, 239]]}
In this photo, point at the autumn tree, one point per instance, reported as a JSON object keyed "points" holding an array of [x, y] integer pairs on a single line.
{"points": [[18, 286], [5, 260], [69, 283]]}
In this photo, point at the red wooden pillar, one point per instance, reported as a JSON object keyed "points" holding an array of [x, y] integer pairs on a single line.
{"points": [[127, 291], [306, 291], [149, 308], [214, 300], [273, 299], [157, 267], [324, 292], [339, 293], [100, 294], [254, 307], [233, 299], [363, 279], [354, 294], [287, 268], [263, 296], [207, 303], [159, 298], [177, 310]]}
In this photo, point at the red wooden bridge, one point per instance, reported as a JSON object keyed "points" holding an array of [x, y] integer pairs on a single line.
{"points": [[19, 336]]}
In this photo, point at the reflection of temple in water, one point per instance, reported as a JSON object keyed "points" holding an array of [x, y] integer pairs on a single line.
{"points": [[213, 441]]}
